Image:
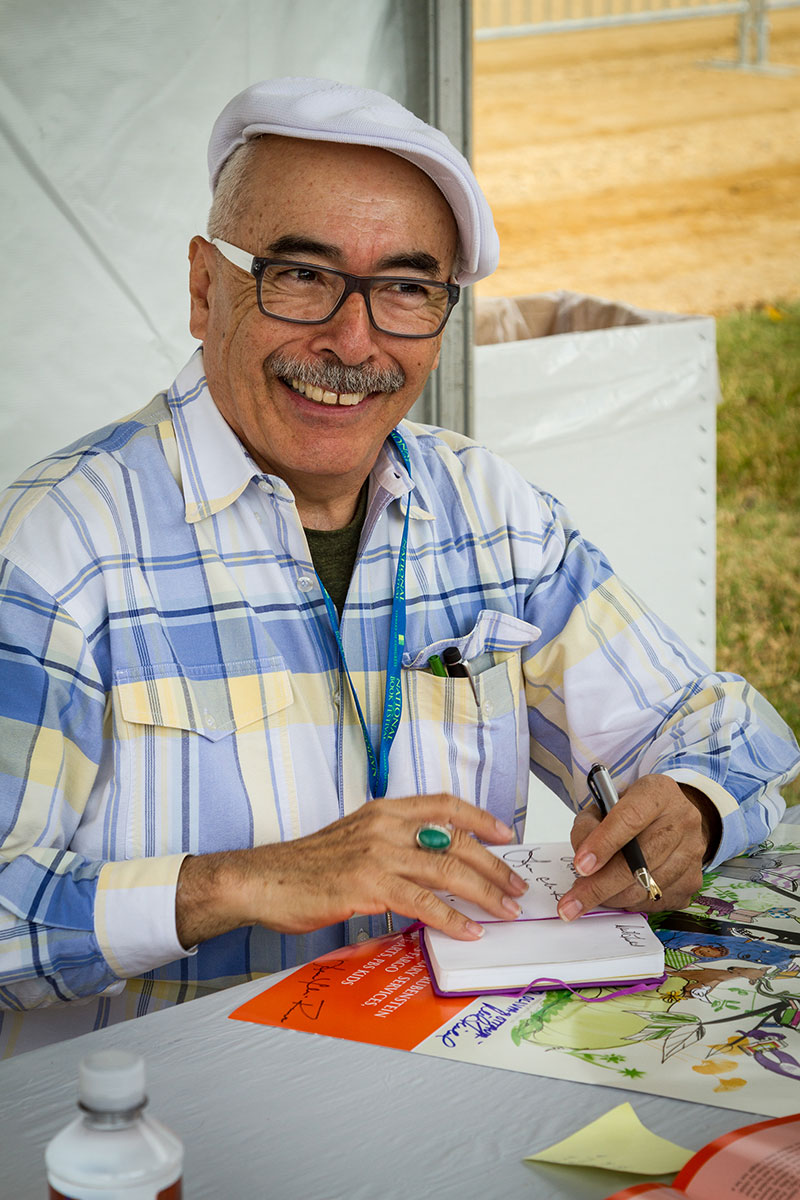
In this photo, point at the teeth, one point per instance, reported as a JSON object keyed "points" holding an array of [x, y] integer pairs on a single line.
{"points": [[324, 397]]}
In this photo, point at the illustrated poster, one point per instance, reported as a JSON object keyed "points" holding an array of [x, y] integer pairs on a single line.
{"points": [[723, 1029]]}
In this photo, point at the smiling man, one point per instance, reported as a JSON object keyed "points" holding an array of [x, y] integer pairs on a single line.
{"points": [[314, 403], [229, 742]]}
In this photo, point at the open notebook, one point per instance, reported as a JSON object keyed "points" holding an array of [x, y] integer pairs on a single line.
{"points": [[539, 949]]}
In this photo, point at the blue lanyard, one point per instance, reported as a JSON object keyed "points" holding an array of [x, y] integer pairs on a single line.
{"points": [[393, 701]]}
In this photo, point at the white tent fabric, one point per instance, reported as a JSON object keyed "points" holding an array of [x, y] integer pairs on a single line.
{"points": [[105, 112]]}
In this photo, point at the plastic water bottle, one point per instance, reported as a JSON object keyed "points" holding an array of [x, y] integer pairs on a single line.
{"points": [[113, 1150]]}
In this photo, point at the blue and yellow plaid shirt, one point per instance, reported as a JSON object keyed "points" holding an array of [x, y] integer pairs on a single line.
{"points": [[170, 685]]}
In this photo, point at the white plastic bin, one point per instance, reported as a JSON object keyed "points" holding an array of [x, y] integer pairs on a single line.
{"points": [[613, 410]]}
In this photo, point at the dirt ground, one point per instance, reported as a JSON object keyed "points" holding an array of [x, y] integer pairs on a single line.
{"points": [[619, 165]]}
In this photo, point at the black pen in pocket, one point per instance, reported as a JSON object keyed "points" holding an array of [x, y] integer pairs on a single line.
{"points": [[456, 668]]}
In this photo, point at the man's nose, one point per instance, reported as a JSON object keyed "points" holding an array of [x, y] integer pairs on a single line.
{"points": [[349, 334]]}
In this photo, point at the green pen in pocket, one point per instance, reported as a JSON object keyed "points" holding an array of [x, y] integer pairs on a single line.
{"points": [[437, 666]]}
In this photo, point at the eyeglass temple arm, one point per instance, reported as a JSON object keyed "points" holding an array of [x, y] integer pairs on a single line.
{"points": [[239, 258]]}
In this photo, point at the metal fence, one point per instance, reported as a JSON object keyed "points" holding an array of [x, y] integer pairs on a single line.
{"points": [[524, 18]]}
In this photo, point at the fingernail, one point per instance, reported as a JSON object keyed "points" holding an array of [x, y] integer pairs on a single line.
{"points": [[570, 910], [475, 929], [585, 864], [511, 906], [518, 885], [503, 829]]}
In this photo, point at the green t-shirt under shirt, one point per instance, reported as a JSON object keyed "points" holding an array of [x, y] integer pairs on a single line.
{"points": [[334, 551]]}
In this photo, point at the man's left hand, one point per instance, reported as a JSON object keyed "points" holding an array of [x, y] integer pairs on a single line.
{"points": [[677, 828]]}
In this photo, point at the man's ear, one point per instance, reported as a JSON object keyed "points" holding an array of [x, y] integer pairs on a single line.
{"points": [[199, 286]]}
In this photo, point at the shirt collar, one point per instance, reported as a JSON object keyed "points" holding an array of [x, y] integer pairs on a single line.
{"points": [[390, 473], [215, 466]]}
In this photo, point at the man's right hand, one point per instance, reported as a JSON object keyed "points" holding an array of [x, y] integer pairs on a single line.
{"points": [[367, 862]]}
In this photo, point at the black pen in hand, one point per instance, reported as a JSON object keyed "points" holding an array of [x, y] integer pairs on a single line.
{"points": [[602, 788]]}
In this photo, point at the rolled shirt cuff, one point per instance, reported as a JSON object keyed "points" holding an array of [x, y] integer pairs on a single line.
{"points": [[134, 915], [737, 836]]}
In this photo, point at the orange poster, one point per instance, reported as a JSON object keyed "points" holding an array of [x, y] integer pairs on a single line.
{"points": [[378, 992]]}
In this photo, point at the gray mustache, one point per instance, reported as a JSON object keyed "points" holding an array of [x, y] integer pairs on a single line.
{"points": [[335, 376]]}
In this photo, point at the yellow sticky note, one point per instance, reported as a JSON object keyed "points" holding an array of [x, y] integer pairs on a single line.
{"points": [[619, 1142]]}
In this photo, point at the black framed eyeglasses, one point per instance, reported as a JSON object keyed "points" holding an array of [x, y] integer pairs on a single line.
{"points": [[307, 294]]}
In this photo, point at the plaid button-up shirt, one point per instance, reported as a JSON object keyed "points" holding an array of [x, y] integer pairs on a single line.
{"points": [[170, 685]]}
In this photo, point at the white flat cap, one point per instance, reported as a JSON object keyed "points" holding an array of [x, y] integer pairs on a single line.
{"points": [[323, 110]]}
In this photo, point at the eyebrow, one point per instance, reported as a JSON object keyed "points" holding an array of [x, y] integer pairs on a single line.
{"points": [[415, 260], [295, 243]]}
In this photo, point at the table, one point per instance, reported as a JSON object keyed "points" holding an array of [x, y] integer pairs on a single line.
{"points": [[275, 1114], [278, 1114]]}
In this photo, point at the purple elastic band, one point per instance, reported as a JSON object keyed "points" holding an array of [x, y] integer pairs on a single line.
{"points": [[643, 985]]}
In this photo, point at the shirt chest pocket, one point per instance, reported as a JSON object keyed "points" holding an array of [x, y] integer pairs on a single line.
{"points": [[202, 762], [469, 736]]}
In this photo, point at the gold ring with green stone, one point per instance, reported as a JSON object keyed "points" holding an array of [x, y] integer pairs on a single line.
{"points": [[434, 837]]}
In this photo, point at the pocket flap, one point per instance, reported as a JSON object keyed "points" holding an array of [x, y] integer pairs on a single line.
{"points": [[198, 699], [493, 632]]}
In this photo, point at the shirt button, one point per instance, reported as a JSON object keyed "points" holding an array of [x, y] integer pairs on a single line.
{"points": [[209, 721], [264, 486], [305, 584], [487, 708]]}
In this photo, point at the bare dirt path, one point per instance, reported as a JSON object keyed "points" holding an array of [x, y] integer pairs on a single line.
{"points": [[619, 166]]}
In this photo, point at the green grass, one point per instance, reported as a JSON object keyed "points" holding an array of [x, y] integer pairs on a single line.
{"points": [[758, 499]]}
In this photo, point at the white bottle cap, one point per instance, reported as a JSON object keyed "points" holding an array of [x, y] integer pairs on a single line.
{"points": [[111, 1081]]}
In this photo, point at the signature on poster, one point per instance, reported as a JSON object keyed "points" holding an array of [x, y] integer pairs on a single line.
{"points": [[309, 1003]]}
